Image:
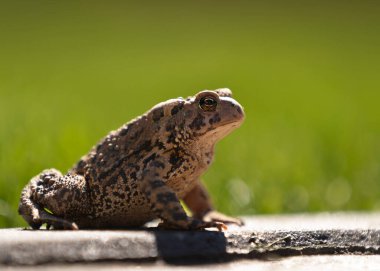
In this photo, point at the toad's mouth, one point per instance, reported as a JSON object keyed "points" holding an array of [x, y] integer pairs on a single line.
{"points": [[227, 128], [222, 130]]}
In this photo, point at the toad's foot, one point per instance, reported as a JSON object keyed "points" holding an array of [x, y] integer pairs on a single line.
{"points": [[214, 216], [41, 217], [194, 224], [61, 224]]}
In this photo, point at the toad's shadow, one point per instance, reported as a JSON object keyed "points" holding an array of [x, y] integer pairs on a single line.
{"points": [[191, 247]]}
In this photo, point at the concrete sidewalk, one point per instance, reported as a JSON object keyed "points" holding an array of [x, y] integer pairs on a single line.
{"points": [[263, 238], [296, 263]]}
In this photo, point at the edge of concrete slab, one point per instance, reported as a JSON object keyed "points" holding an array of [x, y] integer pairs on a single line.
{"points": [[27, 247]]}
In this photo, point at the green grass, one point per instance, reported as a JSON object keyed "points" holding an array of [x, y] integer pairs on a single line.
{"points": [[307, 73]]}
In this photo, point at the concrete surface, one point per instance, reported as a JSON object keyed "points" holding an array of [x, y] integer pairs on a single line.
{"points": [[262, 242], [299, 263]]}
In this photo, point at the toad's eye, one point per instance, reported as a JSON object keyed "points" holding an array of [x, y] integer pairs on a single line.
{"points": [[208, 103]]}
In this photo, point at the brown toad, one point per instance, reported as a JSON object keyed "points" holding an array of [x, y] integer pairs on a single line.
{"points": [[141, 171]]}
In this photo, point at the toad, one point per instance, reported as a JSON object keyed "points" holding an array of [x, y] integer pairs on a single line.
{"points": [[141, 171]]}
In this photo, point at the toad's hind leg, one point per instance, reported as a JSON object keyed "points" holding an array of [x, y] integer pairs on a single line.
{"points": [[65, 196]]}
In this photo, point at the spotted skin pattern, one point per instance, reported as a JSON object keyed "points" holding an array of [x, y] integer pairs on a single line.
{"points": [[141, 171]]}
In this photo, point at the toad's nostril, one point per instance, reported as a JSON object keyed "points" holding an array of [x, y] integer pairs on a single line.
{"points": [[239, 110]]}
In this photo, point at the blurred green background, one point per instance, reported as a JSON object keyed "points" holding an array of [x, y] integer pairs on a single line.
{"points": [[307, 73]]}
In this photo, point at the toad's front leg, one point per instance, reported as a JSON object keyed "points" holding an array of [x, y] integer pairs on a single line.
{"points": [[166, 205], [200, 205]]}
